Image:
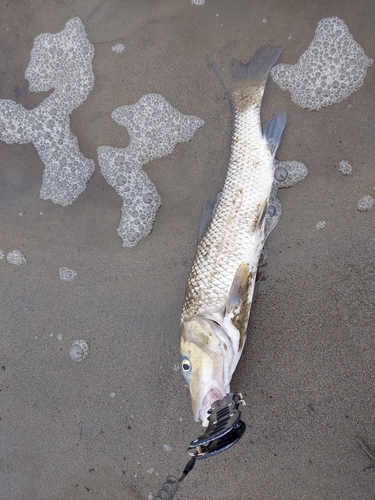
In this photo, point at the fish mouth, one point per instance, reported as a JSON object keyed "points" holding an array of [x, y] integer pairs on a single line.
{"points": [[212, 395]]}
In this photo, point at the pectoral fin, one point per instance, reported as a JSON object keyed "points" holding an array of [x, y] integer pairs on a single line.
{"points": [[238, 305]]}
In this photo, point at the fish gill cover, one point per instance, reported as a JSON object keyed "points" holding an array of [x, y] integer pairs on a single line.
{"points": [[332, 68]]}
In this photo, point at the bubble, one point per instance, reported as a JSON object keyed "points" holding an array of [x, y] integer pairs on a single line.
{"points": [[79, 350], [120, 180], [147, 198], [119, 160], [321, 224], [280, 174], [62, 162], [271, 211], [2, 254]]}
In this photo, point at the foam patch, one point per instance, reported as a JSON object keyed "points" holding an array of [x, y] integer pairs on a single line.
{"points": [[61, 61], [154, 127], [332, 68], [286, 174]]}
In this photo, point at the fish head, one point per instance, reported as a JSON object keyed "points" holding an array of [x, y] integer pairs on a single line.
{"points": [[204, 364]]}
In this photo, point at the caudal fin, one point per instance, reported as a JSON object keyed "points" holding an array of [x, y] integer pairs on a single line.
{"points": [[245, 82], [249, 79], [259, 66]]}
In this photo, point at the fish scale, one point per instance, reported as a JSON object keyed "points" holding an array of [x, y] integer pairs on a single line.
{"points": [[230, 238]]}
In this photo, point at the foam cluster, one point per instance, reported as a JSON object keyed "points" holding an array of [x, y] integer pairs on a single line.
{"points": [[16, 257], [2, 254], [286, 174], [118, 48], [333, 67], [345, 167], [321, 224], [61, 61], [67, 274], [154, 127], [365, 203]]}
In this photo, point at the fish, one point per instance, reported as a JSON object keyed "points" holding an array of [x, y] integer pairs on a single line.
{"points": [[220, 286]]}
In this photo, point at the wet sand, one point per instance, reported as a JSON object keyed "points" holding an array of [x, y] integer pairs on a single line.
{"points": [[307, 371]]}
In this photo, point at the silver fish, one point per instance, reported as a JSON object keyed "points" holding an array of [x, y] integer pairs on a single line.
{"points": [[220, 288]]}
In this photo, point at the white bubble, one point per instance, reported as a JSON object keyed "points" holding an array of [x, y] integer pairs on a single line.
{"points": [[59, 336], [150, 470], [2, 254], [67, 274], [112, 395], [321, 224], [79, 350], [167, 447], [16, 257]]}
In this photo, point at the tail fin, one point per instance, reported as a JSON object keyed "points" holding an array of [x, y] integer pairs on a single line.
{"points": [[245, 82], [250, 78], [273, 130], [259, 66]]}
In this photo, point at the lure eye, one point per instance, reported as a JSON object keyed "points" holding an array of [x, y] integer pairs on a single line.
{"points": [[185, 365]]}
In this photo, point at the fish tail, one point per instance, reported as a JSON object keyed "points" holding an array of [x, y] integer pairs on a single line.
{"points": [[249, 79]]}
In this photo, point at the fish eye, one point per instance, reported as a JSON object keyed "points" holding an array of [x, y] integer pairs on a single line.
{"points": [[185, 365]]}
